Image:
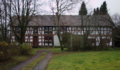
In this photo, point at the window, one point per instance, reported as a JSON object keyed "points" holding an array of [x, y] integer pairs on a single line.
{"points": [[63, 28], [48, 30], [35, 30], [48, 40]]}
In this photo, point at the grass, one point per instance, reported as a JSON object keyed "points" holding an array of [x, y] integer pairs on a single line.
{"points": [[53, 50], [6, 65], [31, 65], [93, 60]]}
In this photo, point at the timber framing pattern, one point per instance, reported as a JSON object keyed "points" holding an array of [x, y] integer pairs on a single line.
{"points": [[44, 30]]}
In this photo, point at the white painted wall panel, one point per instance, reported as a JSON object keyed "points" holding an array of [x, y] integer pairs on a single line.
{"points": [[38, 32], [69, 28], [39, 44], [31, 36], [89, 37], [26, 37], [110, 43], [78, 33], [53, 28], [42, 32], [39, 36], [40, 28], [31, 40], [13, 36], [31, 32], [53, 32], [56, 41], [103, 37], [97, 33], [39, 40]]}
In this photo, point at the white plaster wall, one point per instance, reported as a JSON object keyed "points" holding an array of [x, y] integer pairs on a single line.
{"points": [[56, 41]]}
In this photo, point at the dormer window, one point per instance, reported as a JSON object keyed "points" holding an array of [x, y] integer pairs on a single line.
{"points": [[35, 30]]}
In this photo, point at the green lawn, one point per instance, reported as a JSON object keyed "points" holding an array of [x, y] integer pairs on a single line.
{"points": [[101, 60]]}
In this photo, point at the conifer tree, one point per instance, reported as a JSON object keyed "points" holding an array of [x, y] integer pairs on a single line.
{"points": [[103, 8], [83, 10]]}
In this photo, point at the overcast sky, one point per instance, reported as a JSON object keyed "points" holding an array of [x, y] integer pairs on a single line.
{"points": [[112, 6]]}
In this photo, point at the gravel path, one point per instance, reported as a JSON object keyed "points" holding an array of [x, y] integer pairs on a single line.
{"points": [[42, 65], [23, 64]]}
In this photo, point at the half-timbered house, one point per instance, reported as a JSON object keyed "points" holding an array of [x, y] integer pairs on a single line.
{"points": [[41, 29]]}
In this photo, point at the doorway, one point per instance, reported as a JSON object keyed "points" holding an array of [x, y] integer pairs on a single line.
{"points": [[35, 40]]}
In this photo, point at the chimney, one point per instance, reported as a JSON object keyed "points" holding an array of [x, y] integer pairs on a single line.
{"points": [[56, 14], [56, 17]]}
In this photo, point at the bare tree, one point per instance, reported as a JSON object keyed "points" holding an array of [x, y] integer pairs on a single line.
{"points": [[116, 29], [116, 19], [58, 7], [3, 18], [20, 13]]}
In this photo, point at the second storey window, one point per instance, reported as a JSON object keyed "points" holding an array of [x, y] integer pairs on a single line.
{"points": [[63, 28], [35, 31], [48, 30]]}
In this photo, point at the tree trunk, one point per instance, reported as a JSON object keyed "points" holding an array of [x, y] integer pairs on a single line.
{"points": [[60, 41]]}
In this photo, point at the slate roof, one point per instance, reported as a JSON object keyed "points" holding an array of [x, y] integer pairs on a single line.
{"points": [[70, 20]]}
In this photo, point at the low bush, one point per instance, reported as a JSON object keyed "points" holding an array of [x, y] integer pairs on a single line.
{"points": [[76, 43], [87, 47], [66, 40], [5, 51], [8, 50], [25, 49], [15, 48]]}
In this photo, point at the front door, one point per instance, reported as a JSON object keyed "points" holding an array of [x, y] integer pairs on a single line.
{"points": [[35, 40]]}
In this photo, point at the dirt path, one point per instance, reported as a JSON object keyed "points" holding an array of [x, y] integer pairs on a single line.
{"points": [[42, 65], [23, 64]]}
